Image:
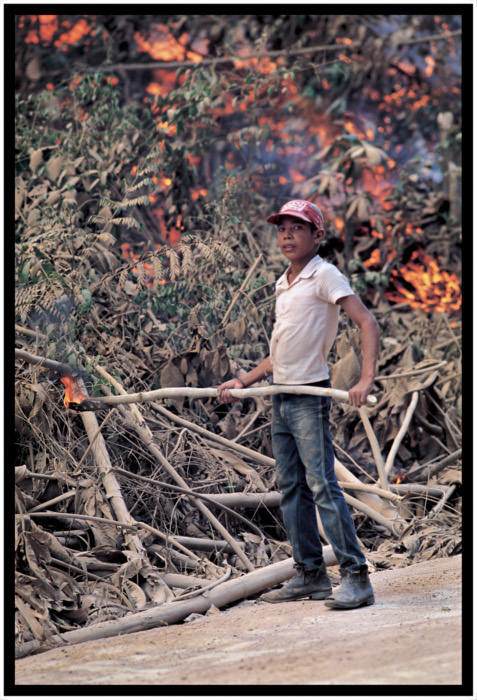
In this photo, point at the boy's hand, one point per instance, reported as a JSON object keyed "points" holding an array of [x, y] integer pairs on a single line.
{"points": [[223, 393], [357, 395]]}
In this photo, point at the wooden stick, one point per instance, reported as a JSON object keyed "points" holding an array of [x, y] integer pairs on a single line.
{"points": [[373, 514], [435, 467], [184, 581], [278, 52], [52, 502], [437, 508], [60, 367], [411, 372], [205, 545], [198, 393], [378, 458], [369, 488], [108, 478], [402, 431], [208, 587]]}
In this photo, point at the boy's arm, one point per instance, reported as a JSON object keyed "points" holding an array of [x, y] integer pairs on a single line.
{"points": [[261, 371], [363, 318]]}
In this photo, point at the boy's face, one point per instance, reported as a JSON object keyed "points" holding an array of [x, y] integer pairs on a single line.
{"points": [[296, 239]]}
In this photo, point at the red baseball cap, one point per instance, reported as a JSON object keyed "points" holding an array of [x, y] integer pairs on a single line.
{"points": [[302, 210]]}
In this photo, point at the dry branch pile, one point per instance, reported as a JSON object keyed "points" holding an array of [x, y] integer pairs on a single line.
{"points": [[141, 507]]}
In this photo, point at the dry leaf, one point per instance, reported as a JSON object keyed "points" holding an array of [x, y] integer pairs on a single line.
{"points": [[53, 167], [346, 372], [36, 158], [33, 69], [171, 376]]}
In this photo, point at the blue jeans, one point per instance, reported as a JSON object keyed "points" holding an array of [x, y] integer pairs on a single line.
{"points": [[303, 451]]}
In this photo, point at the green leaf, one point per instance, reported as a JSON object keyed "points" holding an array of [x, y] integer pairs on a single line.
{"points": [[84, 299]]}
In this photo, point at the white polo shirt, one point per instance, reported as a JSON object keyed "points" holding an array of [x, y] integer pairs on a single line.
{"points": [[306, 322]]}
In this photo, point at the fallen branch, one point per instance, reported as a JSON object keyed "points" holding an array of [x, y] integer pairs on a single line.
{"points": [[435, 467], [412, 372], [247, 500], [61, 367], [191, 392], [170, 613], [369, 488], [437, 508], [183, 581], [205, 545], [108, 478], [373, 441], [52, 502], [402, 431], [209, 586]]}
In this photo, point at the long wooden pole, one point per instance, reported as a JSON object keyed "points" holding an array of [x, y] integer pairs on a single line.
{"points": [[197, 393]]}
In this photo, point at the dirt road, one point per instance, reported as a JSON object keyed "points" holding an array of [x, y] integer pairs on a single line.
{"points": [[411, 636]]}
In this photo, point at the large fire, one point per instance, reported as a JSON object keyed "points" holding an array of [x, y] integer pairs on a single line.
{"points": [[424, 285], [297, 132]]}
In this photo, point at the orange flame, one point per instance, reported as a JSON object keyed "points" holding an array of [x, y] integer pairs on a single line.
{"points": [[432, 289], [72, 393], [49, 26], [161, 45]]}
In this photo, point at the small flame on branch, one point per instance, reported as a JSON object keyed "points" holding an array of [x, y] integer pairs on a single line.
{"points": [[72, 393]]}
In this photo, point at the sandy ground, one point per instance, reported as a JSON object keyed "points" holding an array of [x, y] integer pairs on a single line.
{"points": [[411, 636]]}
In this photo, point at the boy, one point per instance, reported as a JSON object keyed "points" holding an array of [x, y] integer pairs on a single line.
{"points": [[308, 296]]}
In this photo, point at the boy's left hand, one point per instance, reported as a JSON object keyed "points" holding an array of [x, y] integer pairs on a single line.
{"points": [[357, 395]]}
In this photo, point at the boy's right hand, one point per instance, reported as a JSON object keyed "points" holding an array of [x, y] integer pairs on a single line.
{"points": [[223, 393]]}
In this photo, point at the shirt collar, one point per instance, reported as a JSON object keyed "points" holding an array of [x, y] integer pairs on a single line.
{"points": [[308, 271]]}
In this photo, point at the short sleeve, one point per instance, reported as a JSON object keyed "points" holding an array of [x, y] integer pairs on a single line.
{"points": [[331, 284]]}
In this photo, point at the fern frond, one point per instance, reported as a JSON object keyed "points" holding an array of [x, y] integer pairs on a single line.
{"points": [[148, 168], [127, 221], [158, 272], [93, 219], [223, 250], [123, 277], [107, 202], [147, 182], [141, 276], [187, 260], [204, 249], [174, 263], [143, 199]]}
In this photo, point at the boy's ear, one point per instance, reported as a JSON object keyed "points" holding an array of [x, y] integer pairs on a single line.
{"points": [[319, 234]]}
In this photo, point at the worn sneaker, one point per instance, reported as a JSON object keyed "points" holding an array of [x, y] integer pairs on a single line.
{"points": [[305, 584], [355, 590]]}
